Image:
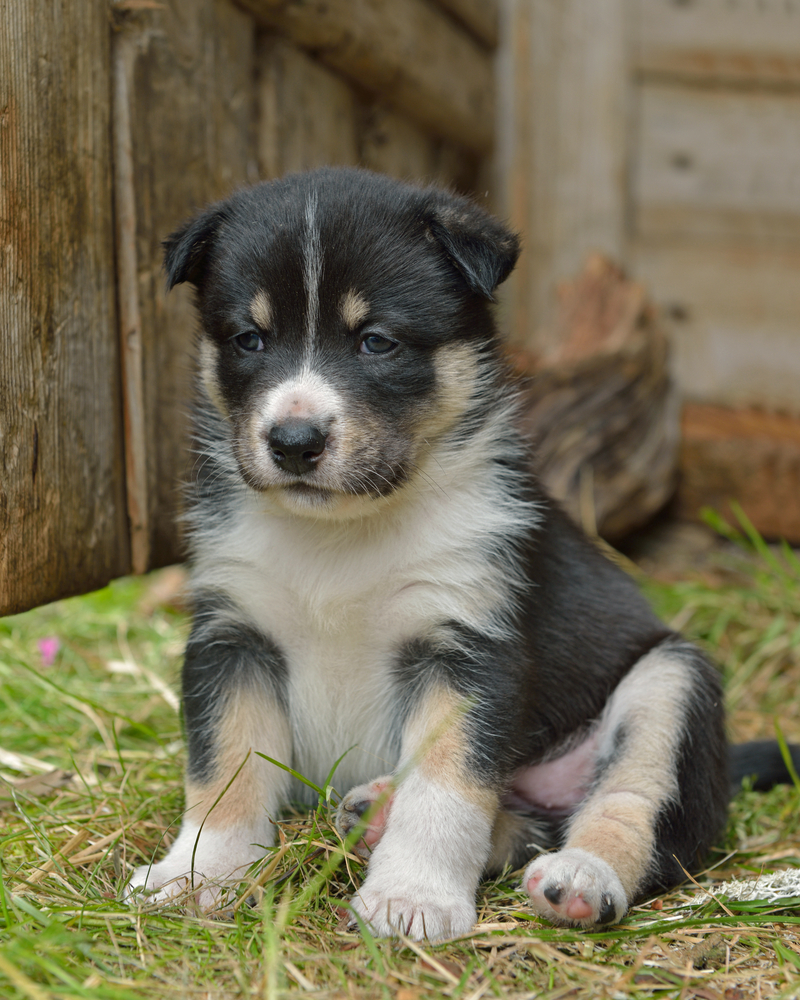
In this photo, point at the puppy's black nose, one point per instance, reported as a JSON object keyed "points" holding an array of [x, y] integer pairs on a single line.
{"points": [[296, 445]]}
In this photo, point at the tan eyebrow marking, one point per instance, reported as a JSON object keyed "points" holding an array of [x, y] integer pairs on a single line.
{"points": [[354, 308], [261, 310]]}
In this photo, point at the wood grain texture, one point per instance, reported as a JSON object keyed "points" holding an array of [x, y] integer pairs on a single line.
{"points": [[123, 59], [565, 120], [308, 116], [715, 162], [406, 51], [63, 526], [732, 312], [480, 16], [744, 455], [742, 42], [393, 145], [193, 141]]}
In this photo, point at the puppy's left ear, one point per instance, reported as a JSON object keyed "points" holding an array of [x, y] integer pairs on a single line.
{"points": [[479, 246]]}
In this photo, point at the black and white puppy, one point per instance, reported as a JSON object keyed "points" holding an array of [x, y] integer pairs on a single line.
{"points": [[375, 568]]}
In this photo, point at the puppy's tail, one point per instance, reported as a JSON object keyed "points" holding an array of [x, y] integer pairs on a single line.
{"points": [[762, 761]]}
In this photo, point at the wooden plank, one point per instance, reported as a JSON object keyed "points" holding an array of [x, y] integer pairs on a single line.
{"points": [[406, 51], [393, 145], [729, 41], [565, 86], [717, 162], [191, 121], [123, 59], [744, 455], [733, 312], [480, 16], [63, 526], [307, 115]]}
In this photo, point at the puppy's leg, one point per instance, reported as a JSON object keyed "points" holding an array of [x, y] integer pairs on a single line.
{"points": [[424, 870], [659, 791], [231, 709]]}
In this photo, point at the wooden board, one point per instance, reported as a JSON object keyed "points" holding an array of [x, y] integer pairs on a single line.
{"points": [[480, 16], [63, 525], [744, 455], [734, 41], [408, 52], [564, 87], [307, 115], [733, 312], [717, 162], [192, 114], [393, 145]]}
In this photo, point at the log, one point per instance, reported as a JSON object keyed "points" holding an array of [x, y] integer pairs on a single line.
{"points": [[480, 16], [407, 52], [63, 521], [307, 115], [746, 455], [602, 409]]}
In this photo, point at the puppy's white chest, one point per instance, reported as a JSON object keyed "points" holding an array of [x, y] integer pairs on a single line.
{"points": [[339, 614]]}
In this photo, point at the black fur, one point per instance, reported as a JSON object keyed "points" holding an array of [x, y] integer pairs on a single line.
{"points": [[537, 668]]}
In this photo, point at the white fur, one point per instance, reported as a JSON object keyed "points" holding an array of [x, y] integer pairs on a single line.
{"points": [[312, 269], [221, 857], [584, 881], [340, 599], [424, 872], [307, 395]]}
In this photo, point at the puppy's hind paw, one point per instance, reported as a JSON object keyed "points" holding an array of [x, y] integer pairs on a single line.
{"points": [[575, 887], [378, 796]]}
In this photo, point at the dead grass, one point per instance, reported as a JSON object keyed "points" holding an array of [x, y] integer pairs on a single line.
{"points": [[90, 774]]}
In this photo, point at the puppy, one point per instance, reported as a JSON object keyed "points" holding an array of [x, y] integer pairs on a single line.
{"points": [[378, 577]]}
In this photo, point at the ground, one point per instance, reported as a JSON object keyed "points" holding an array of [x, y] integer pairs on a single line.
{"points": [[90, 786]]}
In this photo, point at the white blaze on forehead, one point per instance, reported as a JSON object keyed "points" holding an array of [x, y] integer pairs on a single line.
{"points": [[354, 308], [261, 309], [305, 396], [312, 266]]}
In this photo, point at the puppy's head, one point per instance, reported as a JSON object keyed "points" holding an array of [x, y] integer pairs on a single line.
{"points": [[344, 318]]}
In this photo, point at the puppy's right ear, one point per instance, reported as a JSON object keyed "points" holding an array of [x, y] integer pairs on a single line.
{"points": [[186, 249]]}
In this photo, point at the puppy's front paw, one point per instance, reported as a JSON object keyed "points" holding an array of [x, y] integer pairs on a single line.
{"points": [[415, 913], [221, 858], [378, 794], [575, 887]]}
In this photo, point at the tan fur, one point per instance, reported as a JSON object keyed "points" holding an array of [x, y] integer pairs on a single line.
{"points": [[251, 721], [261, 309], [617, 821], [439, 747], [515, 838], [208, 373], [456, 372], [354, 309]]}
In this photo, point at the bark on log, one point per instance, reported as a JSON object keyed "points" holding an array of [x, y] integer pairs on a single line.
{"points": [[408, 53], [602, 410], [744, 455]]}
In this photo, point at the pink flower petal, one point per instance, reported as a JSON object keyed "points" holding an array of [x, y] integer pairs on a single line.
{"points": [[48, 648]]}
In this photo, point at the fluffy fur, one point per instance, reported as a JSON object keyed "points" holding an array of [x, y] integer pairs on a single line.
{"points": [[377, 573]]}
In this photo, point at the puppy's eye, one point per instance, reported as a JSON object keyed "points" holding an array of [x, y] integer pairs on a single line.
{"points": [[249, 341], [376, 344]]}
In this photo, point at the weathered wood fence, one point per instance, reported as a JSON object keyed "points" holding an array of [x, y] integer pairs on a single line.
{"points": [[664, 133], [116, 121]]}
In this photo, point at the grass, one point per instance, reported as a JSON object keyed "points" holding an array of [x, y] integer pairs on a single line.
{"points": [[90, 786]]}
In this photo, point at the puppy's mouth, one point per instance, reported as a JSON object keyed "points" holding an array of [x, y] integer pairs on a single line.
{"points": [[302, 490]]}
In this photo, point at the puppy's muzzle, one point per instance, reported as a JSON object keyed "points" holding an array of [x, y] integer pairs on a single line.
{"points": [[296, 446]]}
